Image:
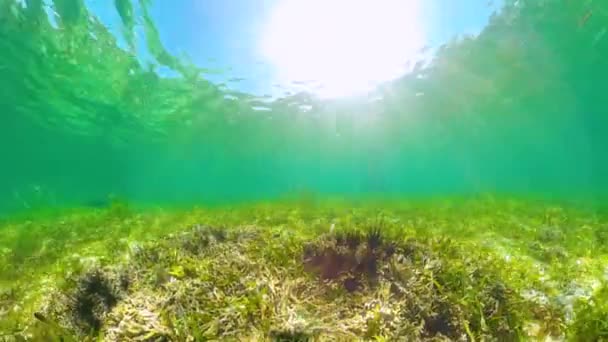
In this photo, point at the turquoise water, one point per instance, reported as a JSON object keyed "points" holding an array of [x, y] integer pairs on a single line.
{"points": [[434, 203], [518, 110]]}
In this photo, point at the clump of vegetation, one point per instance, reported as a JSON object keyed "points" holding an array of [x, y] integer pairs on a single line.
{"points": [[550, 234], [601, 235], [591, 323], [279, 272]]}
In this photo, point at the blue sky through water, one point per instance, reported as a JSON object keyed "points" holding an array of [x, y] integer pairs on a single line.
{"points": [[226, 35]]}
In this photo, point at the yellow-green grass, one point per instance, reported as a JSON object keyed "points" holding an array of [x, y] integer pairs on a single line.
{"points": [[308, 270]]}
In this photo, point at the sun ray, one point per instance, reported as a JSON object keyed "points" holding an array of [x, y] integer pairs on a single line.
{"points": [[345, 46]]}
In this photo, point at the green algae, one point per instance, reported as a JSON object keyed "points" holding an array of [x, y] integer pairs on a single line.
{"points": [[305, 270], [465, 270], [592, 317]]}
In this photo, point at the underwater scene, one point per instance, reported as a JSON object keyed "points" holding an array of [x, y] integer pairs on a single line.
{"points": [[303, 170]]}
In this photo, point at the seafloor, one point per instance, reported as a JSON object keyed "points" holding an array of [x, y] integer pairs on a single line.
{"points": [[470, 270]]}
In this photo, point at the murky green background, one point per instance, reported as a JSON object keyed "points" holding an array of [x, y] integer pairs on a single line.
{"points": [[518, 110]]}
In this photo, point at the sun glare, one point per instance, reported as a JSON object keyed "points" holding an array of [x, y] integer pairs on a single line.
{"points": [[345, 46]]}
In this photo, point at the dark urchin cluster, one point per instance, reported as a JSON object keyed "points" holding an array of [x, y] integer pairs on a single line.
{"points": [[200, 237], [354, 254], [95, 295], [289, 336]]}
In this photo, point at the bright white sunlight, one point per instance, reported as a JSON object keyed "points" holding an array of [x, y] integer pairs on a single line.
{"points": [[344, 47]]}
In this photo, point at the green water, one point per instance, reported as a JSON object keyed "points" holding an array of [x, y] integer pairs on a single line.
{"points": [[517, 110], [437, 206]]}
